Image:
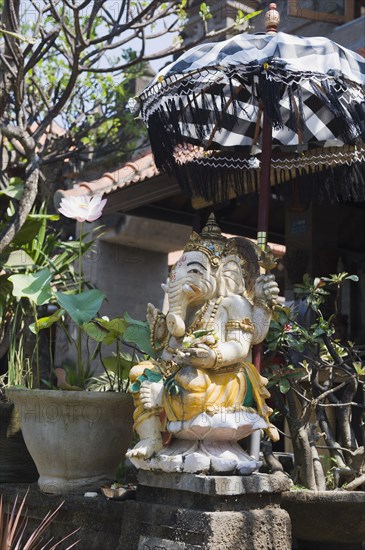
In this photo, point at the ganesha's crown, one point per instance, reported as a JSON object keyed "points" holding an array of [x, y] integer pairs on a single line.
{"points": [[211, 242]]}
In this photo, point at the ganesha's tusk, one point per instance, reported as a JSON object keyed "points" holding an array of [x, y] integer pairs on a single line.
{"points": [[191, 290]]}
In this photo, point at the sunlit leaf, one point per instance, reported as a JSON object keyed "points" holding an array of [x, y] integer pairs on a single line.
{"points": [[81, 307], [284, 385], [18, 258], [34, 286], [46, 322], [13, 191]]}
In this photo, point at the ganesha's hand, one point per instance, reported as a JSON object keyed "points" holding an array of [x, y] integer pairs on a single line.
{"points": [[200, 356], [152, 314], [157, 321], [266, 290]]}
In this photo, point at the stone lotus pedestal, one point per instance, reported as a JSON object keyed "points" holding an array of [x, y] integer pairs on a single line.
{"points": [[198, 512], [207, 444]]}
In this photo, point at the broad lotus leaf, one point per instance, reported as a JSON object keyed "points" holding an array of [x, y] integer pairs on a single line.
{"points": [[17, 259], [46, 322], [115, 327], [138, 332], [95, 331], [132, 321], [104, 330], [34, 286], [81, 307]]}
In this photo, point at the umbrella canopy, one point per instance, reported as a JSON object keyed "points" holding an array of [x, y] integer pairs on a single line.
{"points": [[204, 114]]}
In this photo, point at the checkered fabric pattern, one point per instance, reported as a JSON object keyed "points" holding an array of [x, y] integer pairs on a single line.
{"points": [[213, 98], [311, 88]]}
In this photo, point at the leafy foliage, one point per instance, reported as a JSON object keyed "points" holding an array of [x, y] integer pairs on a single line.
{"points": [[311, 369], [13, 524], [34, 265]]}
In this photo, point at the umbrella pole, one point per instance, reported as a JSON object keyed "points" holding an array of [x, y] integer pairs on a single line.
{"points": [[263, 211], [262, 230]]}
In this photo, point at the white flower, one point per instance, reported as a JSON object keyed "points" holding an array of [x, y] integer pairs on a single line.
{"points": [[82, 208]]}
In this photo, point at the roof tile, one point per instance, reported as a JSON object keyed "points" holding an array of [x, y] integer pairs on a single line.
{"points": [[128, 174]]}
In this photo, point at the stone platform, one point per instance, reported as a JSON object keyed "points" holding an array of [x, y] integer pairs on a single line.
{"points": [[199, 512]]}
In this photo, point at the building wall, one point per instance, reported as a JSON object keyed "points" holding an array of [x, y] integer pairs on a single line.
{"points": [[130, 278]]}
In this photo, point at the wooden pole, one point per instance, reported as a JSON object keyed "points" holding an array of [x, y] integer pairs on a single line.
{"points": [[272, 21], [263, 212], [264, 192]]}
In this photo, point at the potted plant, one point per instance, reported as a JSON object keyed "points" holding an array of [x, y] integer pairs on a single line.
{"points": [[317, 377], [29, 251], [77, 437]]}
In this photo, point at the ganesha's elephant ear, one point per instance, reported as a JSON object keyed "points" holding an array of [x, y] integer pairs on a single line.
{"points": [[230, 279], [249, 254]]}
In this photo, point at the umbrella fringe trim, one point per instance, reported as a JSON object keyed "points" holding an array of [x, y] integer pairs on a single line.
{"points": [[218, 185]]}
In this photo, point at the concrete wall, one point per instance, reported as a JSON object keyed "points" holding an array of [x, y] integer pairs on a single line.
{"points": [[128, 276]]}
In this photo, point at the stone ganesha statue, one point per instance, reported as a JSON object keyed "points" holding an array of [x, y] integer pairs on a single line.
{"points": [[203, 394]]}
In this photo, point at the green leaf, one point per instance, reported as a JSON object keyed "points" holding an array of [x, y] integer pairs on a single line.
{"points": [[51, 217], [95, 331], [295, 344], [131, 321], [5, 294], [115, 329], [27, 233], [46, 322], [106, 331], [81, 307], [249, 16], [34, 286], [284, 385], [18, 258], [13, 191], [139, 333]]}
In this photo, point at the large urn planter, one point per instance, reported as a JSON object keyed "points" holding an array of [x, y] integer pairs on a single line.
{"points": [[16, 464], [77, 438], [328, 519]]}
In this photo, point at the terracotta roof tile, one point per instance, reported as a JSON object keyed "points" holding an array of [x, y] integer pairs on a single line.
{"points": [[128, 174]]}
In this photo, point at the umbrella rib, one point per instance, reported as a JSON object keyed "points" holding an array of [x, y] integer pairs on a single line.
{"points": [[257, 127]]}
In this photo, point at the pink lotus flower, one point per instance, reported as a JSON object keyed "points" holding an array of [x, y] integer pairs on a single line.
{"points": [[82, 208]]}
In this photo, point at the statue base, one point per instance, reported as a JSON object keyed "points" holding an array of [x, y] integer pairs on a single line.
{"points": [[200, 457], [197, 512], [207, 444]]}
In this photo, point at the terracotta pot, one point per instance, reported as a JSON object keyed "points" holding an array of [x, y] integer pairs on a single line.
{"points": [[77, 438], [16, 464]]}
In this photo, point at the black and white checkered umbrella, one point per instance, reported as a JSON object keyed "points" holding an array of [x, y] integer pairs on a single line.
{"points": [[205, 115]]}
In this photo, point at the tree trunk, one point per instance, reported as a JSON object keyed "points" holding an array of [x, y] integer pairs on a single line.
{"points": [[301, 445]]}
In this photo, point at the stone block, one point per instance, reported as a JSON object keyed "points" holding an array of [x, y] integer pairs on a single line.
{"points": [[162, 527], [197, 512], [216, 485]]}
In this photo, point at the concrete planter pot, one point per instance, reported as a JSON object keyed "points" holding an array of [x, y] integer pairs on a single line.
{"points": [[76, 439], [16, 464], [326, 519]]}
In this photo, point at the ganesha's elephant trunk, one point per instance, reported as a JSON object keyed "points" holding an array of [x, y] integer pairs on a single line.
{"points": [[179, 298]]}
